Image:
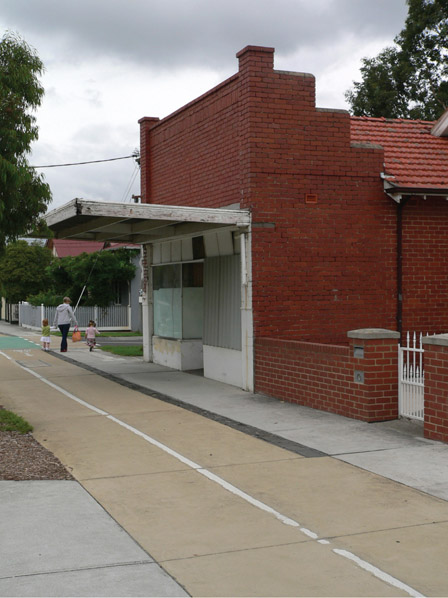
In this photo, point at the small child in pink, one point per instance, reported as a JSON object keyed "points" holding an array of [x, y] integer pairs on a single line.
{"points": [[91, 333]]}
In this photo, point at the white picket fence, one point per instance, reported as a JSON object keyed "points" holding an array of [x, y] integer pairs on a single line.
{"points": [[411, 378], [113, 317]]}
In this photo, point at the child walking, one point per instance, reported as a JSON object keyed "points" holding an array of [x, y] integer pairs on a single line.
{"points": [[91, 333], [45, 338]]}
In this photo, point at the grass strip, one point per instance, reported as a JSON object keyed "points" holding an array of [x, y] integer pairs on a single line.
{"points": [[10, 422], [129, 351], [104, 334]]}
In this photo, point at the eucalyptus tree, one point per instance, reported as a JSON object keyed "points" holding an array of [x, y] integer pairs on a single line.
{"points": [[24, 195], [409, 79]]}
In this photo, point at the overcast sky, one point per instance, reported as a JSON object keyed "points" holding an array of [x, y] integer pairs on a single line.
{"points": [[110, 62]]}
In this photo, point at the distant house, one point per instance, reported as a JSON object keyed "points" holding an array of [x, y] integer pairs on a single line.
{"points": [[125, 294], [71, 247], [130, 294]]}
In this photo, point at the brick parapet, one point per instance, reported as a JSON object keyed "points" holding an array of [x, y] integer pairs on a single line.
{"points": [[146, 124]]}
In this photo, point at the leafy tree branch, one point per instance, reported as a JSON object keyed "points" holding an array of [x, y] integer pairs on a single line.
{"points": [[409, 79], [24, 195]]}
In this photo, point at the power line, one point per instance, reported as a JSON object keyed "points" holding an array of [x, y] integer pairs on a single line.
{"points": [[131, 182], [135, 155]]}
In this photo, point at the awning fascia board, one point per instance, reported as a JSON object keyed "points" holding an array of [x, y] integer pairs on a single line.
{"points": [[139, 223]]}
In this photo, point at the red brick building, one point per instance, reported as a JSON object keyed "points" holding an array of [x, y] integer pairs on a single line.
{"points": [[343, 226], [325, 242], [331, 250]]}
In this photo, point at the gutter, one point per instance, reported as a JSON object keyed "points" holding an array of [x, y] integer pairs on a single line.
{"points": [[398, 193]]}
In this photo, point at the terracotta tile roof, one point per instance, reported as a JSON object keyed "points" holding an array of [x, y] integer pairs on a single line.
{"points": [[414, 157], [66, 247]]}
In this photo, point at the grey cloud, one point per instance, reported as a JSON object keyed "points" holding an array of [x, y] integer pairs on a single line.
{"points": [[89, 137], [174, 33], [106, 181], [163, 35], [109, 181], [94, 97]]}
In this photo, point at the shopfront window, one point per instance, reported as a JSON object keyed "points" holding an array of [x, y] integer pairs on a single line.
{"points": [[178, 300]]}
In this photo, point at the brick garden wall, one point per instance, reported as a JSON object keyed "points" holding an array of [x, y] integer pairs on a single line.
{"points": [[331, 378], [436, 387]]}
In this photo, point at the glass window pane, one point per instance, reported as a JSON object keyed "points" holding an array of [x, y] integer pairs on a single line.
{"points": [[192, 300], [166, 277], [193, 274], [167, 301], [178, 309]]}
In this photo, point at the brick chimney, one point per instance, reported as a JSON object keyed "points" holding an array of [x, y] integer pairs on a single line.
{"points": [[256, 59]]}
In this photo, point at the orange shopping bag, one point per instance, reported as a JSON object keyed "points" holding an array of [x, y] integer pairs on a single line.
{"points": [[76, 336]]}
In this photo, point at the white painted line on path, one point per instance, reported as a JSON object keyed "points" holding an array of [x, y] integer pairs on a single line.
{"points": [[208, 474], [250, 499], [377, 572], [156, 443], [230, 487], [56, 387]]}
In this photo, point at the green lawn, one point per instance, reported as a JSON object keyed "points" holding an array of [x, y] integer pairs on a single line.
{"points": [[106, 333], [57, 333], [130, 351], [10, 422]]}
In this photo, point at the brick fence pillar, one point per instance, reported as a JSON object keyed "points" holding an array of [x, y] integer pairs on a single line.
{"points": [[374, 355], [436, 387]]}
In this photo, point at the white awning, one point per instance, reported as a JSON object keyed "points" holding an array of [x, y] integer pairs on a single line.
{"points": [[139, 223]]}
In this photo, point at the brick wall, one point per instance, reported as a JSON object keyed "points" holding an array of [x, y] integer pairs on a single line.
{"points": [[436, 387], [331, 261], [258, 140], [332, 378], [192, 157], [425, 265]]}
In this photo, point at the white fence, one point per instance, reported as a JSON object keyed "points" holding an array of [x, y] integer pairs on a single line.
{"points": [[114, 317], [411, 378]]}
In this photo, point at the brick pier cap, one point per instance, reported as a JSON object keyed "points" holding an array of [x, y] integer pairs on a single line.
{"points": [[436, 339], [373, 333]]}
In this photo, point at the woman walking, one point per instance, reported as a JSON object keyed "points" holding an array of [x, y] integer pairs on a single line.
{"points": [[63, 317]]}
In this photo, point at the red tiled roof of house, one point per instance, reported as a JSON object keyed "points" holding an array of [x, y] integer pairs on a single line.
{"points": [[72, 247], [416, 158]]}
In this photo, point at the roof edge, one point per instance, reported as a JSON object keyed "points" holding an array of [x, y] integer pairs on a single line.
{"points": [[403, 190], [160, 121], [440, 129]]}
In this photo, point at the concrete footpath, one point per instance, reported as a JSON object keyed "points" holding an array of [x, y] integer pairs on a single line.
{"points": [[395, 450], [88, 554]]}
